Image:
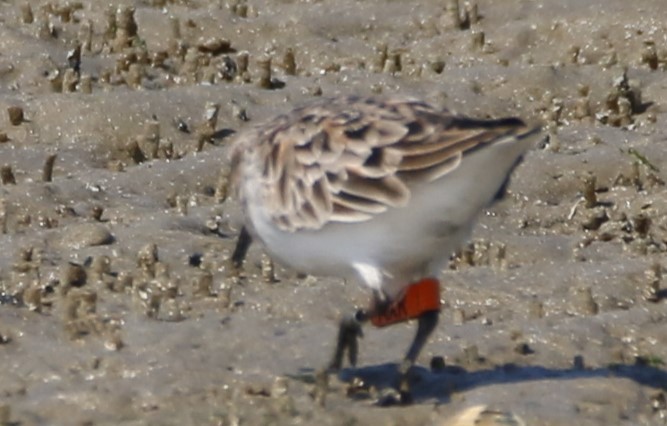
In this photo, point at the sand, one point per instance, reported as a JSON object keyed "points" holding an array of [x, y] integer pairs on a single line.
{"points": [[118, 304]]}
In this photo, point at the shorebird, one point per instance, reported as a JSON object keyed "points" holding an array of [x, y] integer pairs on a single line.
{"points": [[381, 190]]}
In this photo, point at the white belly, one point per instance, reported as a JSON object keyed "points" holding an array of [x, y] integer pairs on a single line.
{"points": [[395, 248]]}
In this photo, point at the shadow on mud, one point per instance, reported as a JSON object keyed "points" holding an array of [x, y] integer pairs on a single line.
{"points": [[429, 386]]}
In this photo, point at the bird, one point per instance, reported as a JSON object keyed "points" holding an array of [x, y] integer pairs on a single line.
{"points": [[381, 190]]}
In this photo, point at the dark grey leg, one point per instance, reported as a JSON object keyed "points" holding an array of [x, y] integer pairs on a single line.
{"points": [[241, 249], [349, 331], [425, 326], [427, 323]]}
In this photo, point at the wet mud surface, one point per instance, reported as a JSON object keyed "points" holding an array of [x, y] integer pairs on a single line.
{"points": [[118, 304]]}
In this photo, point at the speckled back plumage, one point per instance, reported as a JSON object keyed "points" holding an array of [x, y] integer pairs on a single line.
{"points": [[348, 159]]}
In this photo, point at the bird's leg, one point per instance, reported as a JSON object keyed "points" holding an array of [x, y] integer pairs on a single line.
{"points": [[242, 245], [349, 331], [425, 326], [421, 301]]}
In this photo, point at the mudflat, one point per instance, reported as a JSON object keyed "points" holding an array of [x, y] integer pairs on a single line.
{"points": [[118, 303]]}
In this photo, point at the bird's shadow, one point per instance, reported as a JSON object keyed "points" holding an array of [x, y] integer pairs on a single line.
{"points": [[429, 386]]}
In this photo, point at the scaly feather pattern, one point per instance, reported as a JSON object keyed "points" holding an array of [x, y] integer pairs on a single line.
{"points": [[349, 159]]}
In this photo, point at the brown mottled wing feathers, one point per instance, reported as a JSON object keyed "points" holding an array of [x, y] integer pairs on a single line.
{"points": [[349, 159]]}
